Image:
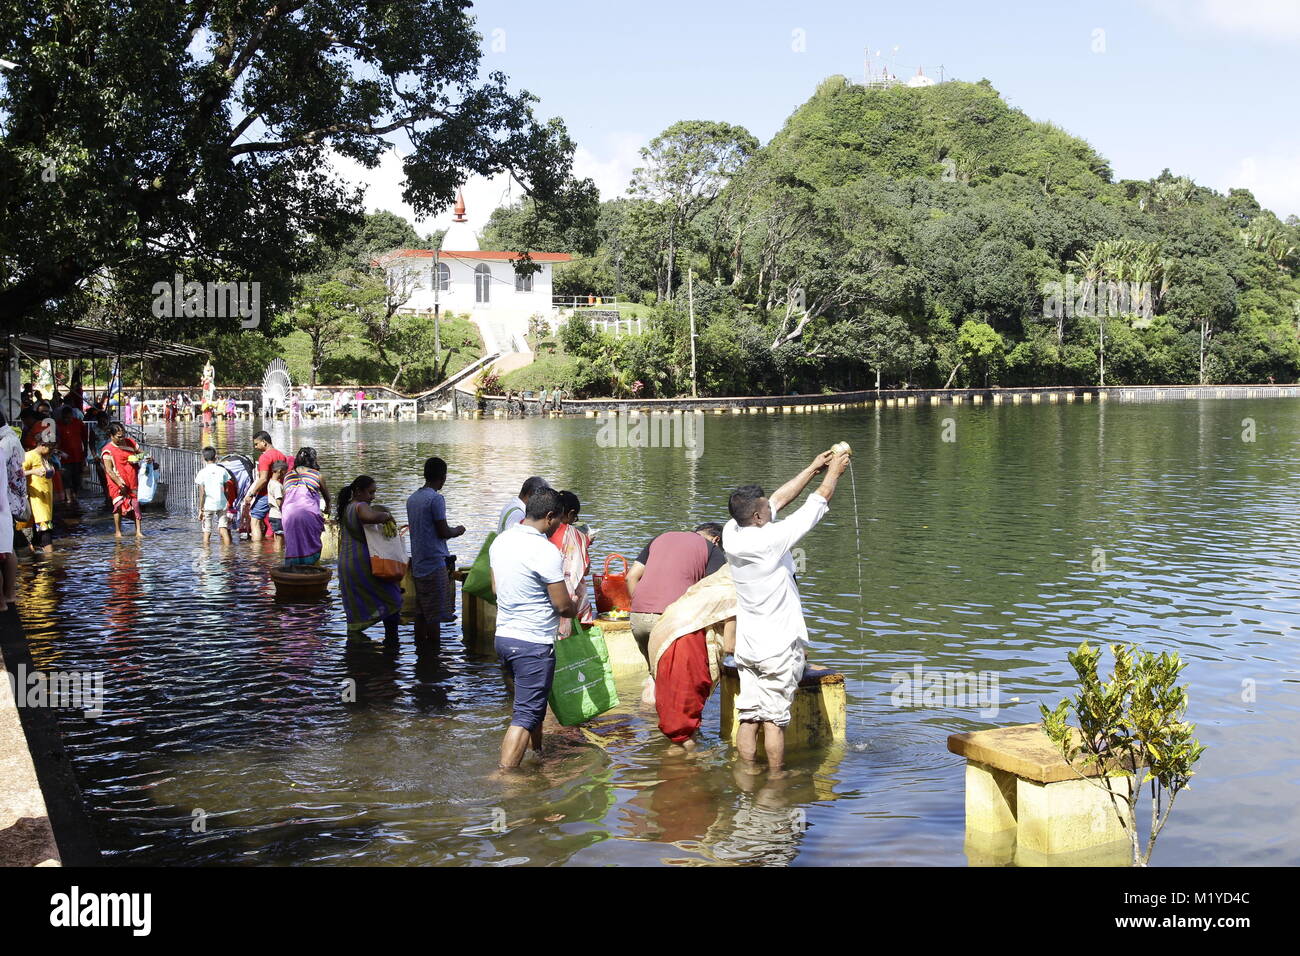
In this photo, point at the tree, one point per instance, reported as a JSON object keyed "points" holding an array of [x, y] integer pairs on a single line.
{"points": [[195, 136], [1134, 723], [686, 167], [325, 309], [980, 346]]}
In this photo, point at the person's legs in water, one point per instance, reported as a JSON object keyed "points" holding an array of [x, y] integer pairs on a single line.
{"points": [[135, 511], [390, 626], [10, 570]]}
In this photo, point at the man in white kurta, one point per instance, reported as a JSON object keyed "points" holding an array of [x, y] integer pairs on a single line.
{"points": [[770, 630]]}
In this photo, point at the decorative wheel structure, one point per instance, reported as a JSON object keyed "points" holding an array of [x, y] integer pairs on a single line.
{"points": [[277, 388]]}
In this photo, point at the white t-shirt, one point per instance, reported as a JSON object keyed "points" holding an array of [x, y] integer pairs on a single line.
{"points": [[769, 616], [212, 479], [512, 512], [524, 562]]}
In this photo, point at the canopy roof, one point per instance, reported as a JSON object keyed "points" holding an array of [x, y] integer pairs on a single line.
{"points": [[74, 342]]}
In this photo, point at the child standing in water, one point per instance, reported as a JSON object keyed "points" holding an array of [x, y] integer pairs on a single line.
{"points": [[275, 495]]}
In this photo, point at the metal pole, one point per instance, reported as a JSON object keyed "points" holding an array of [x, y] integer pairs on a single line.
{"points": [[437, 287], [690, 294]]}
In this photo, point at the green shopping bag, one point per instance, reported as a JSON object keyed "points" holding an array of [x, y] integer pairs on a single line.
{"points": [[478, 580], [584, 682]]}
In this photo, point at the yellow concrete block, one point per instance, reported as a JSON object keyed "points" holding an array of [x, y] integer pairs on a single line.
{"points": [[1016, 399], [1051, 397], [1068, 816], [1069, 396], [977, 399], [1101, 396], [753, 409], [769, 409], [956, 399], [818, 714], [990, 799], [800, 409], [889, 402], [589, 414], [1087, 396], [625, 658], [911, 399], [786, 409], [934, 399], [997, 399]]}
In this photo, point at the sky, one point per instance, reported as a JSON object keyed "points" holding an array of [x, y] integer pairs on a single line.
{"points": [[1203, 87]]}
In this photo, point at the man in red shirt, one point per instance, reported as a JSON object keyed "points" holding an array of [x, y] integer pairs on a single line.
{"points": [[664, 569], [256, 502], [72, 447]]}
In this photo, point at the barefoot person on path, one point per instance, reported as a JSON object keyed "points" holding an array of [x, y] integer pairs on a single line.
{"points": [[532, 596], [121, 459], [770, 629]]}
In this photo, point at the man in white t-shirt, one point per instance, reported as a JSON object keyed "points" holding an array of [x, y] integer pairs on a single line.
{"points": [[211, 480], [528, 578], [512, 512], [770, 630]]}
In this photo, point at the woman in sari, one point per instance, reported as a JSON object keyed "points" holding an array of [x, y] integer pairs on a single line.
{"points": [[366, 598], [121, 459], [302, 513], [686, 650], [575, 546]]}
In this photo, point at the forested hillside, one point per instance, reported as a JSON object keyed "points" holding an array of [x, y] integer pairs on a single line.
{"points": [[922, 236]]}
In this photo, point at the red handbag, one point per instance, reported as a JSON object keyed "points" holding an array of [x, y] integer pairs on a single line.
{"points": [[611, 589]]}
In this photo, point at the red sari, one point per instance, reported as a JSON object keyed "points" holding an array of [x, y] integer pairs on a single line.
{"points": [[124, 496]]}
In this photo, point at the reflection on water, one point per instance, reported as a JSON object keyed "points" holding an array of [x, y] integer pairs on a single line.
{"points": [[241, 730]]}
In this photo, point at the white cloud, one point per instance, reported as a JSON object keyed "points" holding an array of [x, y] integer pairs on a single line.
{"points": [[384, 184], [610, 165], [1273, 178], [1277, 20]]}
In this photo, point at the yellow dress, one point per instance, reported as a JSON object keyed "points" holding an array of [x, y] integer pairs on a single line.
{"points": [[40, 490]]}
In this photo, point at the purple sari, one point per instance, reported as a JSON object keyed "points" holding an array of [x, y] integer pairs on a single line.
{"points": [[301, 518]]}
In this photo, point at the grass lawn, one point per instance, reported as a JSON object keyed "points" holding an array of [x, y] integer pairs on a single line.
{"points": [[547, 371], [354, 360]]}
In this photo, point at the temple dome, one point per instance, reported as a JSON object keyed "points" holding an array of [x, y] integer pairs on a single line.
{"points": [[460, 235]]}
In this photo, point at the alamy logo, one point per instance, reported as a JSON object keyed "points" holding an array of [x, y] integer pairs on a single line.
{"points": [[922, 688], [74, 690], [209, 300], [683, 430], [73, 909], [1091, 299]]}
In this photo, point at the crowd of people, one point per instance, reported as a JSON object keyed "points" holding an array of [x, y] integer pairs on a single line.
{"points": [[696, 596], [45, 455]]}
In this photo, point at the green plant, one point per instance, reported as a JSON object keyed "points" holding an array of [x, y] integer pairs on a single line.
{"points": [[1133, 722], [487, 383]]}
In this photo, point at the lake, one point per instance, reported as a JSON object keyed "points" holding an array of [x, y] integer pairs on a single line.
{"points": [[225, 738]]}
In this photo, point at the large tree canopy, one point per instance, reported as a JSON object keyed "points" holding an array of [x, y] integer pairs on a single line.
{"points": [[146, 138]]}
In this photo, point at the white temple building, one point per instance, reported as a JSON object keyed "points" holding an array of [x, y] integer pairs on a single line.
{"points": [[465, 279]]}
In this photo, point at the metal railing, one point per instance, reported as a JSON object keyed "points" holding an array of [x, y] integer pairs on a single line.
{"points": [[583, 301]]}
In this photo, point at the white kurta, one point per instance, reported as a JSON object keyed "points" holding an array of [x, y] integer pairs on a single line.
{"points": [[769, 616]]}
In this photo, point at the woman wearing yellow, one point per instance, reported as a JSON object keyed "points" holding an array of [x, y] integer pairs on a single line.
{"points": [[38, 466]]}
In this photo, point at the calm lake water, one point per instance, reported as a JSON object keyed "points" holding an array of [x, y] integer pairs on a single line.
{"points": [[1037, 528]]}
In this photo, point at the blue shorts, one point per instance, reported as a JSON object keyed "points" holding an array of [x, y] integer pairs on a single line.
{"points": [[261, 507], [532, 668]]}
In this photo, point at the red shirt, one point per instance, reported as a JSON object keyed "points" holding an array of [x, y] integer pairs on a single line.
{"points": [[673, 562], [72, 440], [270, 457]]}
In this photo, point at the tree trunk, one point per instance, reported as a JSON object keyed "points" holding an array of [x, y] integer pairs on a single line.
{"points": [[952, 375]]}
